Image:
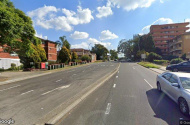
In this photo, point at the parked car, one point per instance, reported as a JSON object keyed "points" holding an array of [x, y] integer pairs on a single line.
{"points": [[183, 66], [177, 86]]}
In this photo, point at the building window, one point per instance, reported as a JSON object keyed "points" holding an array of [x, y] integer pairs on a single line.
{"points": [[179, 45]]}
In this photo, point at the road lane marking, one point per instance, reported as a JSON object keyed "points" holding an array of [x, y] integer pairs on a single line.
{"points": [[133, 67], [108, 109], [27, 92], [116, 76], [58, 80], [10, 88], [62, 87], [148, 83], [114, 85]]}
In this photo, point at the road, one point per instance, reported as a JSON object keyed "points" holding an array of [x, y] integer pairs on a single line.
{"points": [[29, 100], [128, 98]]}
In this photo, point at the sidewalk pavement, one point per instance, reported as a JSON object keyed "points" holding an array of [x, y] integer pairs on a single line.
{"points": [[161, 70]]}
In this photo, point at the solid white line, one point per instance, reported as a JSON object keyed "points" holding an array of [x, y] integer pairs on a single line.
{"points": [[148, 83], [10, 88], [108, 108], [116, 76], [58, 80], [63, 87], [114, 85], [27, 92]]}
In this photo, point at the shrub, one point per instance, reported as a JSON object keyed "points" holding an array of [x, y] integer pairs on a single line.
{"points": [[169, 57], [85, 58], [161, 62], [176, 61], [148, 65], [153, 56]]}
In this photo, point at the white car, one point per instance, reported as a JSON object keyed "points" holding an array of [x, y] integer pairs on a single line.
{"points": [[177, 86]]}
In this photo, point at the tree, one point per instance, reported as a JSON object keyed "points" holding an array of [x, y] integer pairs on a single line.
{"points": [[63, 42], [74, 56], [86, 58], [100, 51], [17, 32], [153, 56], [113, 54], [64, 55]]}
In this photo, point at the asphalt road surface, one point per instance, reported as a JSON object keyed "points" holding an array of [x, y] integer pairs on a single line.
{"points": [[29, 100], [128, 98]]}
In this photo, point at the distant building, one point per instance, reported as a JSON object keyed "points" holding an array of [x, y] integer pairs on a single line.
{"points": [[81, 52], [180, 45], [6, 59], [51, 49], [163, 33]]}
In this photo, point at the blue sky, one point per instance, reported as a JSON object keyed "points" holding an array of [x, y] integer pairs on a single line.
{"points": [[87, 22]]}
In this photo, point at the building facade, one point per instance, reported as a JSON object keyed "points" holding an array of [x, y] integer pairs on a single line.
{"points": [[6, 59], [162, 34], [180, 45], [51, 49], [81, 52]]}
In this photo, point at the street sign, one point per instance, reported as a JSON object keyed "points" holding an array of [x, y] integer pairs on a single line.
{"points": [[143, 56]]}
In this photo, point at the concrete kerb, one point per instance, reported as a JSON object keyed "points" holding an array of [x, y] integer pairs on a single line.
{"points": [[73, 102], [150, 69], [48, 72]]}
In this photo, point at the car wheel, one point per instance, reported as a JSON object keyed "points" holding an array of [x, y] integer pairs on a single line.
{"points": [[175, 70], [183, 106], [159, 87]]}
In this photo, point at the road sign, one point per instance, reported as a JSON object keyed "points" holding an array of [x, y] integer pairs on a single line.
{"points": [[143, 56]]}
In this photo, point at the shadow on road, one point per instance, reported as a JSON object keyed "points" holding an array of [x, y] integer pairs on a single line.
{"points": [[164, 108]]}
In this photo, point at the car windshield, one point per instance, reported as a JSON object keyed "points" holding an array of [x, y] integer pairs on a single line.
{"points": [[185, 81]]}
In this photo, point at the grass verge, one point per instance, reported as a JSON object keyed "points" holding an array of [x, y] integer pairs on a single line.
{"points": [[148, 65]]}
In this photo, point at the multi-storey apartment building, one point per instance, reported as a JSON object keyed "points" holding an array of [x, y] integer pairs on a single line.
{"points": [[51, 49], [163, 33], [180, 45]]}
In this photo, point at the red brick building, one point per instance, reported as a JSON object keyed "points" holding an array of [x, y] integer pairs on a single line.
{"points": [[163, 33], [51, 49], [81, 52]]}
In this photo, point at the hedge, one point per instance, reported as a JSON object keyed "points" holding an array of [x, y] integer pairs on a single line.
{"points": [[176, 61], [160, 62]]}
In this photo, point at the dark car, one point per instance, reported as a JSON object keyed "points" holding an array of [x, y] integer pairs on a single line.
{"points": [[184, 66]]}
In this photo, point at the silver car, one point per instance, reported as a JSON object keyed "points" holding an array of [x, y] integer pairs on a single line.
{"points": [[177, 86]]}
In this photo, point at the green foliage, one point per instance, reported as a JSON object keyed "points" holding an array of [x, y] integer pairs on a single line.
{"points": [[63, 42], [169, 57], [85, 58], [74, 56], [113, 54], [148, 65], [176, 61], [153, 56], [64, 55], [184, 56], [100, 51], [161, 62], [137, 46]]}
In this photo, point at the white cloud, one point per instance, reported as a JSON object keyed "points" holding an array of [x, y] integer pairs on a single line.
{"points": [[79, 35], [41, 36], [46, 17], [106, 35], [95, 41], [131, 4], [83, 45], [146, 29], [104, 11], [161, 1]]}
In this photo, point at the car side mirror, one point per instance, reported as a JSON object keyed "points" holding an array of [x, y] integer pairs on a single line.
{"points": [[175, 85]]}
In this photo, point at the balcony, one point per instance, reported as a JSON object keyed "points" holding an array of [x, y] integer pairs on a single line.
{"points": [[176, 49], [174, 29], [174, 43]]}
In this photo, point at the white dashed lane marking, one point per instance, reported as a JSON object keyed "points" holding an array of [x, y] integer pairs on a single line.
{"points": [[27, 92], [108, 109], [148, 83], [114, 85], [58, 80], [10, 88]]}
